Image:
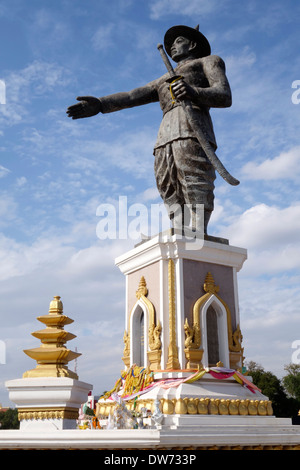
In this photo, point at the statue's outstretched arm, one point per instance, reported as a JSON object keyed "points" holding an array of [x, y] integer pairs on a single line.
{"points": [[90, 106]]}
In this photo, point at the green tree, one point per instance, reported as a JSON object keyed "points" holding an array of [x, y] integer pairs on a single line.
{"points": [[291, 381], [271, 386], [9, 419]]}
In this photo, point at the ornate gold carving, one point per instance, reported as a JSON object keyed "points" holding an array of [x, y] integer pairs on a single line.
{"points": [[126, 341], [209, 285], [192, 344], [47, 413], [126, 351], [194, 358], [180, 407], [173, 362], [154, 337], [154, 358], [213, 406], [168, 406], [237, 338], [154, 331], [223, 407], [200, 406], [193, 334], [142, 289], [203, 406], [52, 356], [243, 407], [192, 405]]}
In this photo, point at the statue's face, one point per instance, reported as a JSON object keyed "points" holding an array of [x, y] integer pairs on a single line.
{"points": [[181, 48]]}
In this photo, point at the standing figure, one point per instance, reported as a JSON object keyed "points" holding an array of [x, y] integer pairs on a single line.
{"points": [[184, 174]]}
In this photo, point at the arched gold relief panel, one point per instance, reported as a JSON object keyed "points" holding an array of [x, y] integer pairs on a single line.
{"points": [[214, 333], [211, 289], [138, 337], [152, 338]]}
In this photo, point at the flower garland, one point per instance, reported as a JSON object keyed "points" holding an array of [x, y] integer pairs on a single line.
{"points": [[139, 380]]}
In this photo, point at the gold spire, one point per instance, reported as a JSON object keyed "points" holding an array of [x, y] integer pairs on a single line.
{"points": [[142, 289], [209, 284], [52, 356]]}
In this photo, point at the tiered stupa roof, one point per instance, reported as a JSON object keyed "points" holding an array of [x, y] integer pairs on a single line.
{"points": [[53, 356]]}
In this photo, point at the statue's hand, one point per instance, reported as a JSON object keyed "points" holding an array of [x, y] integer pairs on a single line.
{"points": [[182, 90], [88, 106]]}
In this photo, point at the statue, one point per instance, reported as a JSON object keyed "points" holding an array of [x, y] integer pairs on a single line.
{"points": [[185, 161]]}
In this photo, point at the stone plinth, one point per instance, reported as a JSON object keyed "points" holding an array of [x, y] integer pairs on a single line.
{"points": [[182, 307], [48, 403]]}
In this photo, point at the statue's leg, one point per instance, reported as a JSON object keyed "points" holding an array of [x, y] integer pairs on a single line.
{"points": [[196, 176], [168, 185]]}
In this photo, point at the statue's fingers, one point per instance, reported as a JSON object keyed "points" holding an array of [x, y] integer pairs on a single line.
{"points": [[75, 113], [75, 107], [83, 98]]}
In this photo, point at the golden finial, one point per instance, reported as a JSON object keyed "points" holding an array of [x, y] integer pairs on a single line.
{"points": [[209, 284], [56, 306], [142, 289]]}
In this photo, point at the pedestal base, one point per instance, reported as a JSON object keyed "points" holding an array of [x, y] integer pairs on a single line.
{"points": [[221, 433], [48, 403]]}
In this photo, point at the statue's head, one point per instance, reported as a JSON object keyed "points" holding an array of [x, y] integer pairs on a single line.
{"points": [[183, 41]]}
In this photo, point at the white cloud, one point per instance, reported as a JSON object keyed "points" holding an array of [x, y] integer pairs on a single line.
{"points": [[192, 8], [271, 235], [3, 171], [23, 86], [285, 166], [103, 37], [8, 209]]}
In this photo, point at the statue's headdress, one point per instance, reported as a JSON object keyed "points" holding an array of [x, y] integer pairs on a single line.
{"points": [[203, 46]]}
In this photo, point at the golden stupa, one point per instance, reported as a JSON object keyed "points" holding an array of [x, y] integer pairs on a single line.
{"points": [[53, 356]]}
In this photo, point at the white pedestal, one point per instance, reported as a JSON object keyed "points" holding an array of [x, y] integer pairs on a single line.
{"points": [[174, 271], [48, 403]]}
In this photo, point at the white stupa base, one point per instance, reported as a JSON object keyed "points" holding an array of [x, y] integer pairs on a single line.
{"points": [[206, 387], [48, 403], [215, 432]]}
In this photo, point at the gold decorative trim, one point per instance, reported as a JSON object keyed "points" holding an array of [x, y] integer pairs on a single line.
{"points": [[173, 362], [193, 334], [196, 406], [126, 351], [47, 413]]}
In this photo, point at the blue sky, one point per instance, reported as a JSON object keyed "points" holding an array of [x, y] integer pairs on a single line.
{"points": [[55, 172]]}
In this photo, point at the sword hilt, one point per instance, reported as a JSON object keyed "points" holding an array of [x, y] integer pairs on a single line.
{"points": [[167, 63]]}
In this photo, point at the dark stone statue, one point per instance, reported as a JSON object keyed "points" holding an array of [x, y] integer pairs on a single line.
{"points": [[184, 173]]}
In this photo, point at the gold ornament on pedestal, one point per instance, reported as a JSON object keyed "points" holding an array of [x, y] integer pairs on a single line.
{"points": [[52, 356]]}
